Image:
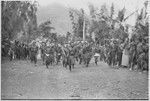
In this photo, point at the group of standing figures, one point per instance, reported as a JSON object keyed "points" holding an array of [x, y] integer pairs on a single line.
{"points": [[74, 53], [68, 54]]}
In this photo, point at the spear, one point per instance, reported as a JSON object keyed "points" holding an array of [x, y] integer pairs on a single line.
{"points": [[130, 15]]}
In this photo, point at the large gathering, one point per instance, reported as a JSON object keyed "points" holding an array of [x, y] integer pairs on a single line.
{"points": [[128, 53], [76, 49]]}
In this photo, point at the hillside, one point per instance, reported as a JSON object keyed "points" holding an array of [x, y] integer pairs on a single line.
{"points": [[59, 15]]}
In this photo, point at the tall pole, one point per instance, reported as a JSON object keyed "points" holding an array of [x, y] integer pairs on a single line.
{"points": [[83, 28]]}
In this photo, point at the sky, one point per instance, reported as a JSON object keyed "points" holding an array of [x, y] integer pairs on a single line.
{"points": [[130, 5]]}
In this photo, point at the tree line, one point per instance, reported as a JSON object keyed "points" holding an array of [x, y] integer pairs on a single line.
{"points": [[105, 25], [20, 16]]}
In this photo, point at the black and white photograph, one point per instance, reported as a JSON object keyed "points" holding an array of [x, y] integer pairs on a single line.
{"points": [[75, 50]]}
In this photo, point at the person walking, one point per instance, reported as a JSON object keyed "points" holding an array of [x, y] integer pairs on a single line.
{"points": [[125, 56]]}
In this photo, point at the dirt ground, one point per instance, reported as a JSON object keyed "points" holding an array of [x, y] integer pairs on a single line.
{"points": [[22, 80]]}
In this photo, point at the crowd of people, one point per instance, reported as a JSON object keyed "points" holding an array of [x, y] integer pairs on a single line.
{"points": [[129, 53]]}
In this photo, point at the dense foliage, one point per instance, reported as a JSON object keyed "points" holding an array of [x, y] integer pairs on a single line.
{"points": [[18, 17], [78, 18], [105, 26]]}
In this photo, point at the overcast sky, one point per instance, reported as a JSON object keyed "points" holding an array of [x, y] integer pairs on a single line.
{"points": [[130, 5]]}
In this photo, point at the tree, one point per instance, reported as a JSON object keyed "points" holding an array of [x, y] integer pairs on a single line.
{"points": [[112, 10], [140, 39], [77, 17], [100, 27], [18, 16], [80, 27], [103, 11], [121, 14], [74, 24], [92, 10], [45, 29]]}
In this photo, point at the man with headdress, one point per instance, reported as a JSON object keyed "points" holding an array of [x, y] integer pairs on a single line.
{"points": [[33, 53], [58, 53], [11, 53], [49, 54], [114, 54], [132, 55], [119, 54]]}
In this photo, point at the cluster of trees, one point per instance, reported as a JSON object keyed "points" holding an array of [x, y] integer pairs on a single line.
{"points": [[140, 38], [104, 24], [45, 30], [19, 22], [79, 21], [18, 17]]}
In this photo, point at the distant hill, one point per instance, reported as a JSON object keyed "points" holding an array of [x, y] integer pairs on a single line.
{"points": [[59, 15]]}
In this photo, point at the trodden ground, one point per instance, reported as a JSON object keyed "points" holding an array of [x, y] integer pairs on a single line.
{"points": [[22, 80]]}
